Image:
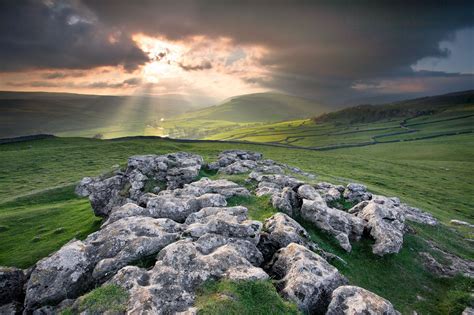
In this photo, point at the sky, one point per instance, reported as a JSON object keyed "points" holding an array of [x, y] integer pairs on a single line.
{"points": [[335, 52]]}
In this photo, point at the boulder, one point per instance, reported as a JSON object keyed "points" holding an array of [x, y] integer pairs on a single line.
{"points": [[229, 222], [356, 193], [104, 193], [286, 201], [305, 278], [280, 231], [352, 300], [174, 170], [184, 266], [79, 265], [12, 281], [64, 274], [220, 186], [385, 222], [238, 167], [229, 157], [308, 192], [342, 225], [330, 192]]}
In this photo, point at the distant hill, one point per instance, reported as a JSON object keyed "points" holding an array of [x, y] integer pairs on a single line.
{"points": [[402, 109], [260, 107], [25, 113]]}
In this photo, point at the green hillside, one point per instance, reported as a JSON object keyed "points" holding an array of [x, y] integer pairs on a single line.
{"points": [[39, 211], [409, 108], [23, 113], [411, 120], [260, 107]]}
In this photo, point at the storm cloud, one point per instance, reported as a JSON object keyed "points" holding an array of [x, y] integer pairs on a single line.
{"points": [[327, 50]]}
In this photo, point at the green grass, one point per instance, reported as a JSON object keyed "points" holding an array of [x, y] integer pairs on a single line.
{"points": [[108, 298], [436, 175], [35, 226], [400, 278], [241, 298], [259, 208]]}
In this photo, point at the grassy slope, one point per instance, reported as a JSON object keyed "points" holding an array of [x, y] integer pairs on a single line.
{"points": [[42, 220], [24, 113], [260, 107]]}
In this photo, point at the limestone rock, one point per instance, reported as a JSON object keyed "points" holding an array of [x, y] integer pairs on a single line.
{"points": [[280, 231], [342, 225], [181, 268], [11, 285], [385, 223], [352, 300], [286, 201], [305, 278], [79, 265], [356, 193], [64, 274], [229, 222]]}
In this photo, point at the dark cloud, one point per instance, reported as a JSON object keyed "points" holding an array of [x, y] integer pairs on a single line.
{"points": [[94, 85], [317, 49], [196, 67], [60, 34]]}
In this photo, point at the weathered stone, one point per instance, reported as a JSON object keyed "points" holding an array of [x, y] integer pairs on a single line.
{"points": [[12, 308], [238, 167], [342, 225], [352, 300], [385, 223], [286, 201], [104, 193], [79, 265], [181, 268], [356, 193], [307, 192], [329, 192], [64, 274], [11, 285], [305, 278], [280, 231], [229, 222]]}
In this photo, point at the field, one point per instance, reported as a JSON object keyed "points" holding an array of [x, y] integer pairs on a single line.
{"points": [[310, 134], [39, 211]]}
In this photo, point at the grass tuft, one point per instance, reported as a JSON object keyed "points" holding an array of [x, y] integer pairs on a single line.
{"points": [[241, 297]]}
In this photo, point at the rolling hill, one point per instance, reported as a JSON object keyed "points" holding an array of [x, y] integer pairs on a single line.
{"points": [[260, 107], [26, 113], [408, 108], [410, 120]]}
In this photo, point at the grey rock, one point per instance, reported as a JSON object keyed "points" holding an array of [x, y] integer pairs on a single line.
{"points": [[385, 222], [329, 192], [356, 193], [229, 222], [181, 268], [305, 278], [352, 300], [64, 274], [342, 225], [461, 223], [286, 201], [238, 167], [79, 265], [12, 308], [307, 192], [12, 281], [280, 231]]}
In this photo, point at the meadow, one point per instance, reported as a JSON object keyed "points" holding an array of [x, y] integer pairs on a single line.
{"points": [[39, 211]]}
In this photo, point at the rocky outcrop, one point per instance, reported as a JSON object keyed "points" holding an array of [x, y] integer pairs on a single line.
{"points": [[79, 265], [356, 193], [351, 300], [342, 225], [156, 210], [12, 281], [223, 244], [279, 231], [173, 170], [385, 222], [305, 278]]}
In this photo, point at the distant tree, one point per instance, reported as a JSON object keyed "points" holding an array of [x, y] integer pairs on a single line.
{"points": [[98, 136]]}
